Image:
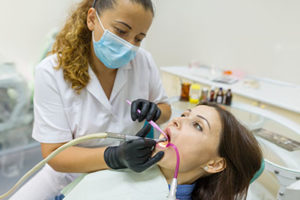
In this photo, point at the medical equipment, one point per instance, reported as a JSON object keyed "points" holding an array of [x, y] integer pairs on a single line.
{"points": [[16, 118], [173, 187], [153, 124], [14, 98], [130, 137], [172, 194], [63, 147]]}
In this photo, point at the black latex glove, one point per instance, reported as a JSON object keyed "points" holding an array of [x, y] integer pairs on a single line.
{"points": [[134, 154], [149, 110]]}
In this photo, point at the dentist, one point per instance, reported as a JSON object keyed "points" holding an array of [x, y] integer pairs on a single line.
{"points": [[82, 87]]}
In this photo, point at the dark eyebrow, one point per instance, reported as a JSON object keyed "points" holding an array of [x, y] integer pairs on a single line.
{"points": [[201, 118], [127, 26], [124, 24], [204, 120]]}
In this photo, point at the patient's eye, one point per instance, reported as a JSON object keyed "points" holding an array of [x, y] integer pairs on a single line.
{"points": [[182, 115], [197, 126]]}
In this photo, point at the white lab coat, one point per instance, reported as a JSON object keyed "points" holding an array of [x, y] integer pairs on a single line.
{"points": [[62, 115]]}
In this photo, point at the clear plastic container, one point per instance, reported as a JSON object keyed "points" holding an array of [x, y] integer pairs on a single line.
{"points": [[195, 91]]}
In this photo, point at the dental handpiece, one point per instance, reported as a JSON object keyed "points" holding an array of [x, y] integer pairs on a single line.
{"points": [[125, 137]]}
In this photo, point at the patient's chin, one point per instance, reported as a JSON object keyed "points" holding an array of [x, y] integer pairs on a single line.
{"points": [[167, 161]]}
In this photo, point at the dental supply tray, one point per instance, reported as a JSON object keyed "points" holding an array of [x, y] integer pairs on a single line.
{"points": [[226, 80], [280, 140]]}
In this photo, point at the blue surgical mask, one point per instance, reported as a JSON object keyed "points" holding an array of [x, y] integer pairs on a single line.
{"points": [[113, 51]]}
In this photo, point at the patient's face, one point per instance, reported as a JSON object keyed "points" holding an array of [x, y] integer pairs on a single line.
{"points": [[196, 134]]}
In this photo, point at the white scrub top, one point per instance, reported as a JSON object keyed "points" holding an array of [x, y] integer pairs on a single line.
{"points": [[62, 115]]}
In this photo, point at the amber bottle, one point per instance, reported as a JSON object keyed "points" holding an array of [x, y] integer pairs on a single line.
{"points": [[212, 95]]}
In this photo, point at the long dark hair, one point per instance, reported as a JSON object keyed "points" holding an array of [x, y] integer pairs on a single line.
{"points": [[243, 156]]}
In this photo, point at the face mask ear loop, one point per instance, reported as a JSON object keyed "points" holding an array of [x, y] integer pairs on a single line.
{"points": [[100, 21], [100, 25]]}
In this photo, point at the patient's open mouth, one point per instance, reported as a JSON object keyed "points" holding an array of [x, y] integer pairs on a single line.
{"points": [[164, 144]]}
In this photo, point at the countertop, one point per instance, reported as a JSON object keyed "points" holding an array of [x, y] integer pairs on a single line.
{"points": [[276, 93]]}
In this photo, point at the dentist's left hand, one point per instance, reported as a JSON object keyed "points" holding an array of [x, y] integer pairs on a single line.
{"points": [[134, 154], [148, 110]]}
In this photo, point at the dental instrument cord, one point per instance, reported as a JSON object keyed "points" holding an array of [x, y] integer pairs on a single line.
{"points": [[153, 124], [49, 157], [63, 147], [173, 186], [178, 158]]}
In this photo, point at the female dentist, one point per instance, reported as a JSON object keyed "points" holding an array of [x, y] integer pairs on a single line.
{"points": [[82, 88]]}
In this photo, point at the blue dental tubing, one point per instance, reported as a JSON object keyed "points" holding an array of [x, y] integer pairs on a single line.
{"points": [[67, 145]]}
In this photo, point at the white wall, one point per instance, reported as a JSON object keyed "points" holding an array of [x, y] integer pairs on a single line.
{"points": [[260, 37], [24, 26]]}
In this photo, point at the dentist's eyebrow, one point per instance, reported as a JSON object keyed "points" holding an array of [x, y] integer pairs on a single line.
{"points": [[124, 24], [201, 118], [144, 34]]}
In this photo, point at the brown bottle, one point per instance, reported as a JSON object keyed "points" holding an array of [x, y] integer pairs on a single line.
{"points": [[220, 96], [212, 95], [228, 97], [185, 91]]}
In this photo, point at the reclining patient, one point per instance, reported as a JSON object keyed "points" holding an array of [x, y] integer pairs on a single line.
{"points": [[218, 159]]}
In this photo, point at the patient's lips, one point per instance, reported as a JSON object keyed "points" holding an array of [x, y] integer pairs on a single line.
{"points": [[164, 144]]}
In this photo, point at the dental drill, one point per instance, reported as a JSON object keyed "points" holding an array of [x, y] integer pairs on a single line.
{"points": [[124, 137], [76, 141]]}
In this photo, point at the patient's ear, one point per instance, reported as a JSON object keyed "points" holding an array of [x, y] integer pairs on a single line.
{"points": [[215, 166]]}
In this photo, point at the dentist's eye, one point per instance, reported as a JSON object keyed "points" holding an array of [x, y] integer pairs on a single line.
{"points": [[197, 126], [182, 115], [137, 40], [119, 31]]}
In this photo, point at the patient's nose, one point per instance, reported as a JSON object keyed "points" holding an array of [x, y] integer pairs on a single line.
{"points": [[176, 122]]}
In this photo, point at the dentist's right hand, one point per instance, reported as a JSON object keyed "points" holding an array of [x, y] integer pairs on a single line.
{"points": [[134, 154]]}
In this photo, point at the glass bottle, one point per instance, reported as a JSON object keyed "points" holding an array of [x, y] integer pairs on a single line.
{"points": [[204, 95], [220, 96], [228, 97], [212, 95], [185, 91]]}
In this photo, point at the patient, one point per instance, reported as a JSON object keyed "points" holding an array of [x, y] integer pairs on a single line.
{"points": [[218, 154], [219, 157]]}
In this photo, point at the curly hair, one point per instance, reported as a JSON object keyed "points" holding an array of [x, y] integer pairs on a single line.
{"points": [[73, 42], [72, 47]]}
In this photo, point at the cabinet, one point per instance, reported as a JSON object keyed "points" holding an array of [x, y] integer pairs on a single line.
{"points": [[279, 97]]}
